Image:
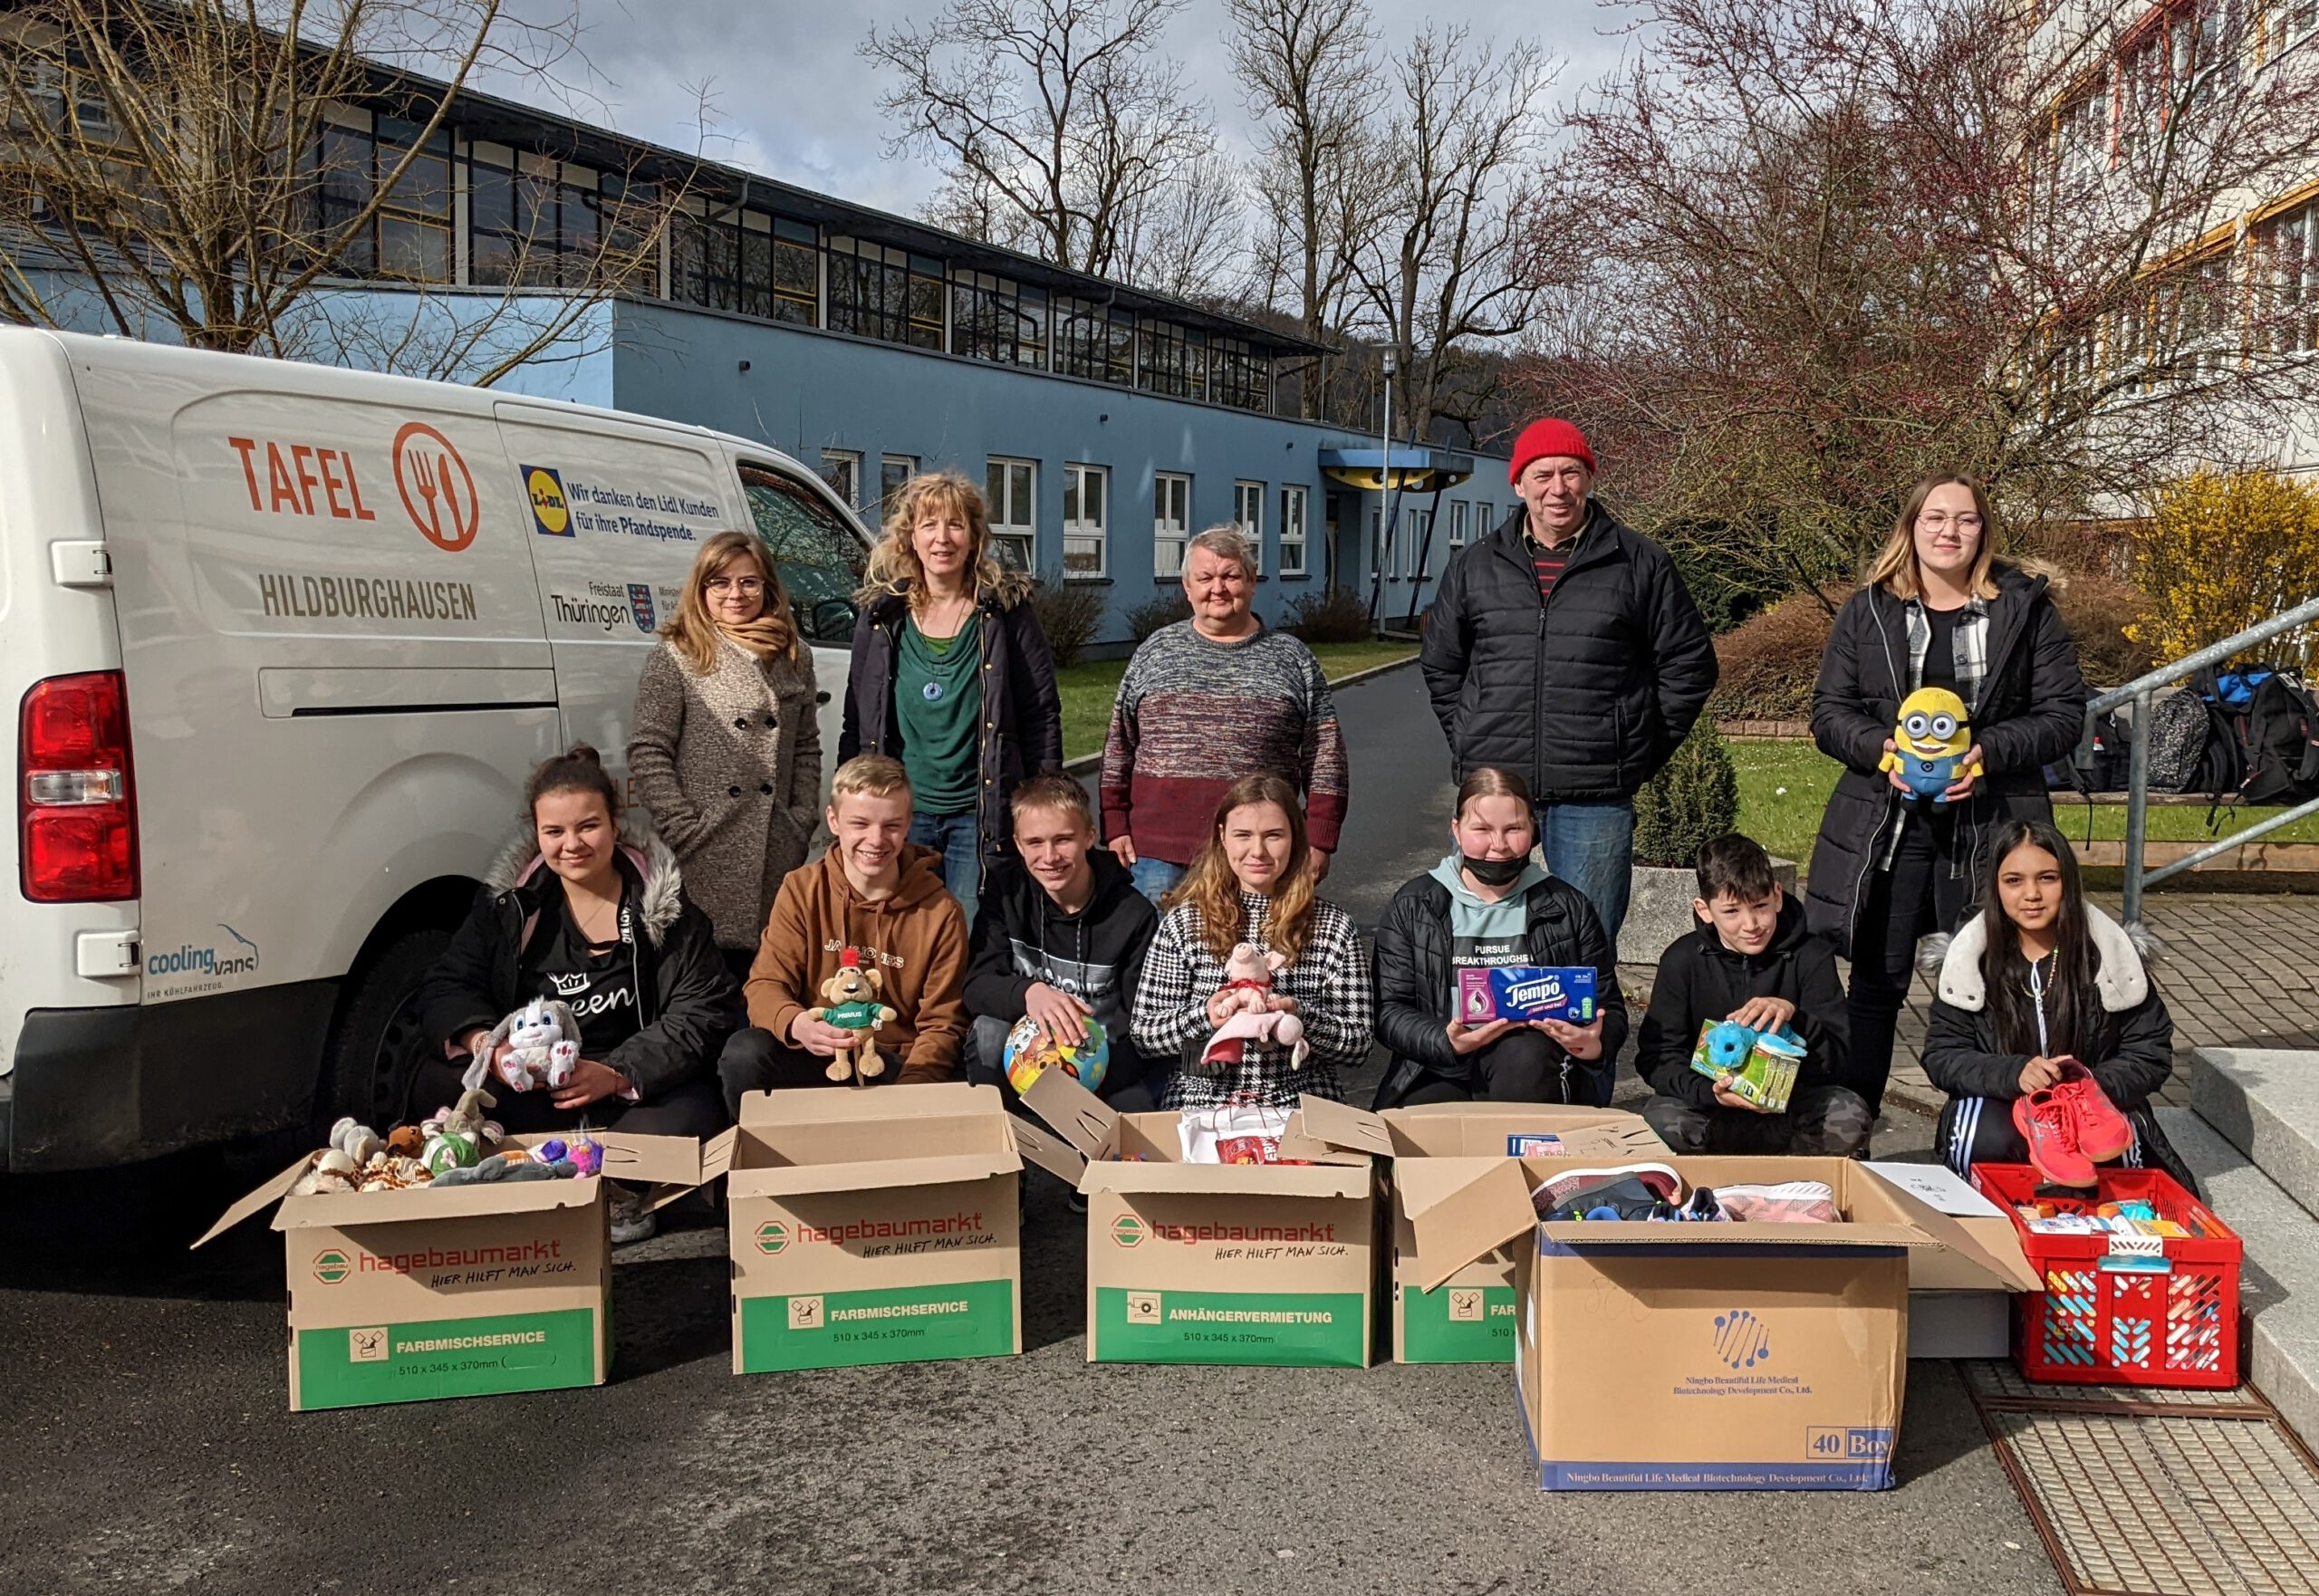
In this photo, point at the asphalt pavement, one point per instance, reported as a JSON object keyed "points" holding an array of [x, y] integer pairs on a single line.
{"points": [[147, 1444]]}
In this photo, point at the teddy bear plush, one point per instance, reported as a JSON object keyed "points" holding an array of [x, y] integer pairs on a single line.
{"points": [[543, 1038], [1253, 1011], [850, 1001]]}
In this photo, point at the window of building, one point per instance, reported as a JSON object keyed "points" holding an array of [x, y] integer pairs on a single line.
{"points": [[1292, 531], [893, 470], [815, 552], [408, 236], [1094, 340], [1010, 488], [2286, 274], [1249, 515], [1457, 511], [841, 469], [1086, 500], [532, 219], [1172, 360], [1171, 522], [1240, 377], [994, 319], [890, 295], [1417, 542], [747, 261], [1376, 543]]}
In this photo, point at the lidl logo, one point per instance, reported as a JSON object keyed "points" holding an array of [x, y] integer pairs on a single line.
{"points": [[331, 1267], [1128, 1231], [551, 511], [772, 1236], [1742, 1340]]}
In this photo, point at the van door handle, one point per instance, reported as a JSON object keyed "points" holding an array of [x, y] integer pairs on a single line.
{"points": [[821, 697]]}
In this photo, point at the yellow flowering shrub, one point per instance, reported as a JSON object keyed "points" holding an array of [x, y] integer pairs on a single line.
{"points": [[2222, 552]]}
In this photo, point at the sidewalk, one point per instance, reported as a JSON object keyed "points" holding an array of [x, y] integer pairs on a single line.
{"points": [[2236, 970]]}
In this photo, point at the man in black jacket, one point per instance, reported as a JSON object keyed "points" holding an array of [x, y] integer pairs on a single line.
{"points": [[1059, 937], [1749, 960], [1565, 647]]}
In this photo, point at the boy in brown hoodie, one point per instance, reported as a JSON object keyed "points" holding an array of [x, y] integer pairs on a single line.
{"points": [[874, 896]]}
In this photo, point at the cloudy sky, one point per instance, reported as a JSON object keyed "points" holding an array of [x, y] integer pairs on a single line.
{"points": [[791, 99]]}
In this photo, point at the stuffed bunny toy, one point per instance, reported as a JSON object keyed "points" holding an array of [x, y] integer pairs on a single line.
{"points": [[544, 1051], [1247, 982]]}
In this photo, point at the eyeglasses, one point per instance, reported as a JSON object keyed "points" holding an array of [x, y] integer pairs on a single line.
{"points": [[748, 587], [1936, 520]]}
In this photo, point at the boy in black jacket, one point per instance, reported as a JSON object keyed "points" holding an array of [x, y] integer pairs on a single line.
{"points": [[1060, 935], [1750, 960]]}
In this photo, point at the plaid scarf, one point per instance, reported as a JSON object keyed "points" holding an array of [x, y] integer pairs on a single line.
{"points": [[1972, 647]]}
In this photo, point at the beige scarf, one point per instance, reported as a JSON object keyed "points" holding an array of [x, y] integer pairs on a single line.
{"points": [[766, 637]]}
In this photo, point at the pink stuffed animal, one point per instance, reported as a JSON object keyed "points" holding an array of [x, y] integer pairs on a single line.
{"points": [[1253, 1015]]}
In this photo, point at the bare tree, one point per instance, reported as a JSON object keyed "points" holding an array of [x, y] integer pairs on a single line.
{"points": [[1442, 270], [1310, 76], [1800, 254], [1184, 240], [181, 166], [1057, 121]]}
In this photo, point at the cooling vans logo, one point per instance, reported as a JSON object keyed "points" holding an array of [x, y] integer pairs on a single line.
{"points": [[438, 490], [1742, 1340], [238, 958], [551, 511]]}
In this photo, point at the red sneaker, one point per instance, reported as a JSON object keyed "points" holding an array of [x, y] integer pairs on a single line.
{"points": [[2048, 1122], [2104, 1135]]}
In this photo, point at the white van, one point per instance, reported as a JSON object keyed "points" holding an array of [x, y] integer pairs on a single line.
{"points": [[285, 642]]}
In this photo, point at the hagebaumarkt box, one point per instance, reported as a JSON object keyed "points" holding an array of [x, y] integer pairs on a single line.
{"points": [[469, 1290], [1270, 1263], [876, 1225], [1700, 1357], [1470, 1317]]}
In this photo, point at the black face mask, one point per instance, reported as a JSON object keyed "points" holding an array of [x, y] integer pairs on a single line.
{"points": [[1494, 872]]}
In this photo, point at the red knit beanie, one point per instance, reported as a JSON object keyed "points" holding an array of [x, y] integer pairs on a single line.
{"points": [[1551, 436]]}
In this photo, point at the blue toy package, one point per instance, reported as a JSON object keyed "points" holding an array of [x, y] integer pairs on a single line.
{"points": [[1525, 992], [1523, 1144]]}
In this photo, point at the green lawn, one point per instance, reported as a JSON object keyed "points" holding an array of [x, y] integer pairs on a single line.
{"points": [[1785, 786], [1089, 688]]}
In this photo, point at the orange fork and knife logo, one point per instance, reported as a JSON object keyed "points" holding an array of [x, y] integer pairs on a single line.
{"points": [[438, 490]]}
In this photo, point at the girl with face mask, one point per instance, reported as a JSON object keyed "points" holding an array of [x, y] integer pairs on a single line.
{"points": [[1489, 903]]}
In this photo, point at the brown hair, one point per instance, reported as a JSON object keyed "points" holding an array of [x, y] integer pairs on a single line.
{"points": [[578, 769], [693, 632], [1736, 864], [1489, 781], [869, 775], [893, 566], [1210, 886], [1052, 790], [1894, 569]]}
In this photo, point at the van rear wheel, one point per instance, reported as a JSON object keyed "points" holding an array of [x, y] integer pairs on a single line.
{"points": [[377, 1043]]}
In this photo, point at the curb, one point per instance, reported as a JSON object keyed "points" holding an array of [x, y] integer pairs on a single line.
{"points": [[1086, 763]]}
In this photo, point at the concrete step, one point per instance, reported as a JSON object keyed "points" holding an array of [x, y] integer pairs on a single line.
{"points": [[2266, 1103], [2278, 1284]]}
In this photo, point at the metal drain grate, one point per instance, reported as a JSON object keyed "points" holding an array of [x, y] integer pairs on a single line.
{"points": [[2180, 1505], [2001, 1385]]}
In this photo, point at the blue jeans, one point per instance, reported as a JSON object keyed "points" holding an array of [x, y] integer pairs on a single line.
{"points": [[959, 842], [1155, 877], [1592, 847]]}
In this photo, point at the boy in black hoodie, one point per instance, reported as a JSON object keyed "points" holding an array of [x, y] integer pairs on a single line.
{"points": [[1060, 935], [1750, 960]]}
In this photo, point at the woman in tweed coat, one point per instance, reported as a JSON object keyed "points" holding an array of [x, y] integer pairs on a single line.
{"points": [[726, 752]]}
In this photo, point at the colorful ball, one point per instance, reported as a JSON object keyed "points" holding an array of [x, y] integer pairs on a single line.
{"points": [[1030, 1053]]}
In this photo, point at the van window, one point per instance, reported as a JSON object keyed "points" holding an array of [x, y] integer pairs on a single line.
{"points": [[816, 554]]}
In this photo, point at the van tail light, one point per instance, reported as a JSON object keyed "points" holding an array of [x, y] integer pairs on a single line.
{"points": [[75, 791]]}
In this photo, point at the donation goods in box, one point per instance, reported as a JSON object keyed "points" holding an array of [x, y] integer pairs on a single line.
{"points": [[1224, 1262], [1470, 1317], [877, 1225], [465, 1291], [1714, 1354]]}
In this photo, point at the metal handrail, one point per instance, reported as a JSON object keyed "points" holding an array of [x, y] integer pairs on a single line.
{"points": [[2139, 692]]}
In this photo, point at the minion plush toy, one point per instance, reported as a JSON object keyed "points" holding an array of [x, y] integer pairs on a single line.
{"points": [[1932, 741]]}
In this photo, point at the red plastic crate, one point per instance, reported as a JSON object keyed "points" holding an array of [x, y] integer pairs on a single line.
{"points": [[2134, 1311]]}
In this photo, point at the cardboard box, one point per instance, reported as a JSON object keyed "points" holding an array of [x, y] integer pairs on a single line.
{"points": [[1954, 1312], [878, 1225], [1262, 1263], [1700, 1357], [1470, 1317], [468, 1291]]}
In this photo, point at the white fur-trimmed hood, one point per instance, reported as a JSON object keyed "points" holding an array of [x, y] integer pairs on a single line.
{"points": [[663, 896], [2118, 975]]}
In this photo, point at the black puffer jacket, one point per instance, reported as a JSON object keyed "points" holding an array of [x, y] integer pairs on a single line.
{"points": [[687, 1002], [2032, 707], [1022, 711], [1585, 696], [1699, 979], [1413, 975]]}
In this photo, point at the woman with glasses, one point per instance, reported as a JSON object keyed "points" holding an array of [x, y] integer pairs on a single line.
{"points": [[1937, 609], [726, 752]]}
